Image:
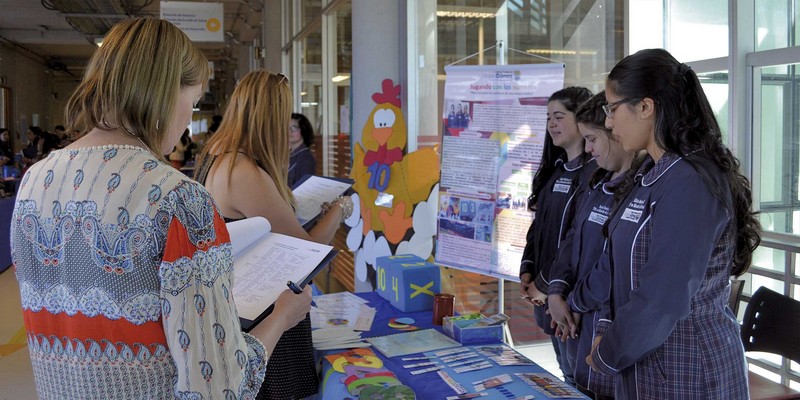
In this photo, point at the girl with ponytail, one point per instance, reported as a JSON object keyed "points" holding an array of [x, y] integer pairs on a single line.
{"points": [[682, 229]]}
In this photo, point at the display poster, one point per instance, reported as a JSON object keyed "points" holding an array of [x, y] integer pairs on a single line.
{"points": [[201, 22], [494, 125]]}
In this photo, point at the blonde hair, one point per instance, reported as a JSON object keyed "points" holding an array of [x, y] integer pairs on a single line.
{"points": [[255, 123], [133, 80]]}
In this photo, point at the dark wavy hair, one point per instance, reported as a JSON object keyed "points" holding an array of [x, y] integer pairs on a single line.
{"points": [[306, 130], [685, 125], [570, 97]]}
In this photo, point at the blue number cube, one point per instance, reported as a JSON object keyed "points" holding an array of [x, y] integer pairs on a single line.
{"points": [[408, 282]]}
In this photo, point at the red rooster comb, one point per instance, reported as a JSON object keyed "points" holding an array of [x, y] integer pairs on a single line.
{"points": [[390, 94]]}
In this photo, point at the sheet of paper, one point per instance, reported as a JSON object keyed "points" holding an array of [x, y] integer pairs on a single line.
{"points": [[402, 344], [262, 270], [342, 309], [245, 232], [312, 193]]}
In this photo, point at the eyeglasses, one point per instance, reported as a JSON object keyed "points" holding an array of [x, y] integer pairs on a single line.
{"points": [[610, 107], [294, 128]]}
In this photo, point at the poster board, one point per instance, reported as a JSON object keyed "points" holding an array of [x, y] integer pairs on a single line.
{"points": [[494, 124]]}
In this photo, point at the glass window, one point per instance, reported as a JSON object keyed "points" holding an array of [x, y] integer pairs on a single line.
{"points": [[770, 259], [694, 30], [773, 22], [698, 30], [311, 77], [339, 138], [779, 168], [646, 24], [715, 85], [309, 11]]}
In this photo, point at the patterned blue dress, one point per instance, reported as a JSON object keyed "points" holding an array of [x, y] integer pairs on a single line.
{"points": [[125, 273]]}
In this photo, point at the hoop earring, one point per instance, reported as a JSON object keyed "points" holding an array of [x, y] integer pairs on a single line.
{"points": [[157, 123]]}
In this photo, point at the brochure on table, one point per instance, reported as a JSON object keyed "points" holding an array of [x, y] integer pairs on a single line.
{"points": [[342, 309], [265, 261], [494, 127]]}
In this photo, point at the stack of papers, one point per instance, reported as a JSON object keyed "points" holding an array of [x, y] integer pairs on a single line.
{"points": [[342, 309], [337, 338]]}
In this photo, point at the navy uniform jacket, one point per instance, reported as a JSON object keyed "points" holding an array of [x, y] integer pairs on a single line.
{"points": [[670, 250], [301, 163], [577, 258], [554, 212]]}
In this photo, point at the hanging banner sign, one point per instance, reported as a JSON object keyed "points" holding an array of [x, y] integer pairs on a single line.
{"points": [[494, 125], [202, 22]]}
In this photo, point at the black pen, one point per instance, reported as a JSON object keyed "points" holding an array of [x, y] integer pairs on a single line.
{"points": [[296, 289]]}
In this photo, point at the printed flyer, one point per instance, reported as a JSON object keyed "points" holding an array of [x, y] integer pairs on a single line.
{"points": [[494, 125]]}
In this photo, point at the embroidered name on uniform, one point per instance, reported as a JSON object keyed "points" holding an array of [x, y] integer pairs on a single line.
{"points": [[634, 211], [562, 185], [599, 215]]}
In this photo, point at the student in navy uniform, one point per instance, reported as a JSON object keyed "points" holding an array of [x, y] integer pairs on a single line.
{"points": [[673, 242], [451, 118], [582, 247], [563, 175]]}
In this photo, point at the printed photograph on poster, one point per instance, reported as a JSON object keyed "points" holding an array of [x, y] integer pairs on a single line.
{"points": [[454, 228], [494, 124], [458, 117]]}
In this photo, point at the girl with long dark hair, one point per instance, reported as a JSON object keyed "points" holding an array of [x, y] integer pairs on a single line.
{"points": [[685, 226], [562, 177]]}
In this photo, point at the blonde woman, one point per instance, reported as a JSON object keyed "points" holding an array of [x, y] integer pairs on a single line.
{"points": [[245, 167], [123, 263]]}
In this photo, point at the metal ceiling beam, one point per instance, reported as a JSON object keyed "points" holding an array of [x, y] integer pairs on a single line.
{"points": [[93, 15], [44, 36]]}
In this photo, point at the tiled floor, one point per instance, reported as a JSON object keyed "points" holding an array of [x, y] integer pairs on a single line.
{"points": [[16, 377]]}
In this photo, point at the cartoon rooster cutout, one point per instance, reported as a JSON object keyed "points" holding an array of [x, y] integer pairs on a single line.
{"points": [[389, 183]]}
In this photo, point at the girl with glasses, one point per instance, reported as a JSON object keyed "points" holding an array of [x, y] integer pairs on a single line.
{"points": [[681, 230]]}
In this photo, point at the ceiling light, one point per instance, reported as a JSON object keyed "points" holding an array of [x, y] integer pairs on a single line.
{"points": [[465, 12], [340, 78], [561, 52]]}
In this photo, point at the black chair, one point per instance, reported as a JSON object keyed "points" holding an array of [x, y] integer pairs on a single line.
{"points": [[771, 324], [737, 286]]}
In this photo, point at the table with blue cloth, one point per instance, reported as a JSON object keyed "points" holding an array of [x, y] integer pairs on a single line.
{"points": [[427, 385]]}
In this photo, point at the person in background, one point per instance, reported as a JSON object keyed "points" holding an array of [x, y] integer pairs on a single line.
{"points": [[6, 149], [61, 136], [6, 162], [245, 167], [684, 227], [572, 273], [123, 302], [301, 137], [562, 177], [33, 150], [215, 123], [178, 155]]}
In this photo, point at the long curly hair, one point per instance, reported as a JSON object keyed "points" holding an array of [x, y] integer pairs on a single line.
{"points": [[685, 125], [570, 97]]}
